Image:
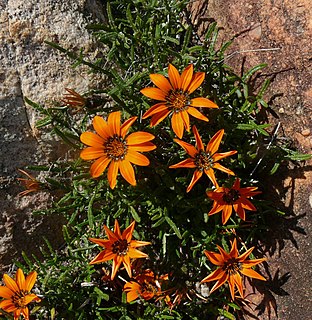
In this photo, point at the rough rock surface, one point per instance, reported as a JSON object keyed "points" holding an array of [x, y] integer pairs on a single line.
{"points": [[277, 33], [30, 68]]}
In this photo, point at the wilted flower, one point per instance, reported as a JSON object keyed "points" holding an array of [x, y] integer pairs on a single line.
{"points": [[30, 183]]}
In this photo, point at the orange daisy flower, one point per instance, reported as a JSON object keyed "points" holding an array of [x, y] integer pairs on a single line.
{"points": [[175, 98], [231, 268], [146, 286], [120, 247], [30, 183], [16, 293], [204, 160], [110, 146], [226, 200]]}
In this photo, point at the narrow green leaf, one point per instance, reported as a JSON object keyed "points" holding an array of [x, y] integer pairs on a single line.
{"points": [[174, 227]]}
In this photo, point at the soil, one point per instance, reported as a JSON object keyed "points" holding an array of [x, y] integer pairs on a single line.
{"points": [[277, 33]]}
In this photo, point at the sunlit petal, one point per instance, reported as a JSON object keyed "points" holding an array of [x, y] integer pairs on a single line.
{"points": [[158, 117], [195, 113], [154, 93], [126, 126], [139, 137], [203, 102], [112, 173], [198, 139], [137, 158], [174, 77], [127, 172], [91, 153], [186, 77], [177, 124], [214, 142], [101, 127], [99, 166], [196, 176], [91, 139], [113, 122], [161, 82], [187, 163], [197, 80]]}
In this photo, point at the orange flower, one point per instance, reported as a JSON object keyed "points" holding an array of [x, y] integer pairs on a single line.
{"points": [[231, 267], [175, 97], [111, 146], [144, 286], [16, 293], [119, 247], [31, 184], [226, 200], [203, 160]]}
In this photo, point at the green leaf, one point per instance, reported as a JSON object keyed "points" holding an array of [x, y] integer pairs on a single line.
{"points": [[253, 70], [101, 294], [174, 227], [134, 214]]}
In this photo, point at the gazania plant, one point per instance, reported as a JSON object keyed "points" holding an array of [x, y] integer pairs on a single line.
{"points": [[151, 193]]}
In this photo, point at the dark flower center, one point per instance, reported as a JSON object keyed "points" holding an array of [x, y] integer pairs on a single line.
{"points": [[116, 148], [203, 160], [18, 299], [178, 100], [120, 247], [232, 266], [231, 196]]}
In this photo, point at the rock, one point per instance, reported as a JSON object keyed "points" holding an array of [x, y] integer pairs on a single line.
{"points": [[30, 68]]}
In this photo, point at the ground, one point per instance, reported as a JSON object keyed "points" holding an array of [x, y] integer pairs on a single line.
{"points": [[277, 33]]}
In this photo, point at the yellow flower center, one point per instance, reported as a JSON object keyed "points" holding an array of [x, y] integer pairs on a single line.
{"points": [[231, 196], [203, 160], [18, 299], [178, 100], [120, 247], [116, 148], [232, 266]]}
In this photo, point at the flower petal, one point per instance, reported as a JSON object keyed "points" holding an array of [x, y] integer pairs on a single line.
{"points": [[190, 149], [160, 116], [198, 139], [186, 77], [134, 253], [126, 126], [215, 275], [127, 264], [246, 204], [154, 93], [226, 213], [217, 156], [239, 210], [187, 163], [5, 292], [91, 153], [196, 114], [10, 283], [177, 124], [137, 158], [197, 80], [186, 120], [127, 172], [221, 168], [143, 147], [161, 82], [158, 107], [210, 174], [214, 258], [196, 176], [252, 274], [139, 137], [99, 166], [203, 102], [112, 173], [214, 142], [220, 282], [20, 279], [91, 139], [174, 77], [116, 264], [101, 127], [113, 122]]}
